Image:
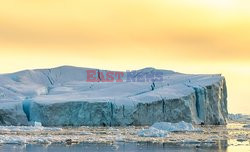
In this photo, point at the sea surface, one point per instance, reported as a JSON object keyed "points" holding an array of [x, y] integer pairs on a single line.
{"points": [[125, 147], [233, 137]]}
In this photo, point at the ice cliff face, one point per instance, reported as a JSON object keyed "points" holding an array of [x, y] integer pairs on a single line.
{"points": [[62, 97], [12, 114]]}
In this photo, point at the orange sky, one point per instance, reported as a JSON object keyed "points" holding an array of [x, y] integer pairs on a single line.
{"points": [[192, 36]]}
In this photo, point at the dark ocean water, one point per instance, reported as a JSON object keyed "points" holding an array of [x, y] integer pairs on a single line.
{"points": [[123, 147]]}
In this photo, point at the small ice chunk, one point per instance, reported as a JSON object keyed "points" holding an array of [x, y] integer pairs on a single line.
{"points": [[191, 141], [37, 124], [161, 129], [171, 127], [152, 132]]}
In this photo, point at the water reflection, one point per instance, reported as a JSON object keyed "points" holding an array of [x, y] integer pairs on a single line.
{"points": [[220, 146]]}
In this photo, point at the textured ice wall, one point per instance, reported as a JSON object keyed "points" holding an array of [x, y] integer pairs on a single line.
{"points": [[211, 103], [12, 114], [67, 100], [206, 104]]}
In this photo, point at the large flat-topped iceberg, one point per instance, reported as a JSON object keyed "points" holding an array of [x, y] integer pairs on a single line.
{"points": [[73, 96]]}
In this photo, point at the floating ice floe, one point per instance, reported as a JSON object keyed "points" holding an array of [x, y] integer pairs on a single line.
{"points": [[27, 128], [7, 139], [242, 118], [152, 132], [161, 129], [180, 126]]}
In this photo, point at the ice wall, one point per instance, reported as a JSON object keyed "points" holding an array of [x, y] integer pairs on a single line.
{"points": [[11, 113], [62, 97], [207, 104]]}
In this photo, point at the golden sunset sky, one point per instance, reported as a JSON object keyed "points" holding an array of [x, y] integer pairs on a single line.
{"points": [[190, 36]]}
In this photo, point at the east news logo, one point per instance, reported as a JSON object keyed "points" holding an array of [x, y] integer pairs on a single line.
{"points": [[129, 76]]}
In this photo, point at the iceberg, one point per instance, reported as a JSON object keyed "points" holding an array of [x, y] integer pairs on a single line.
{"points": [[175, 127], [64, 96]]}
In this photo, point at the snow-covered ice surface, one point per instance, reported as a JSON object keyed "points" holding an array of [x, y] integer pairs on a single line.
{"points": [[62, 97]]}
